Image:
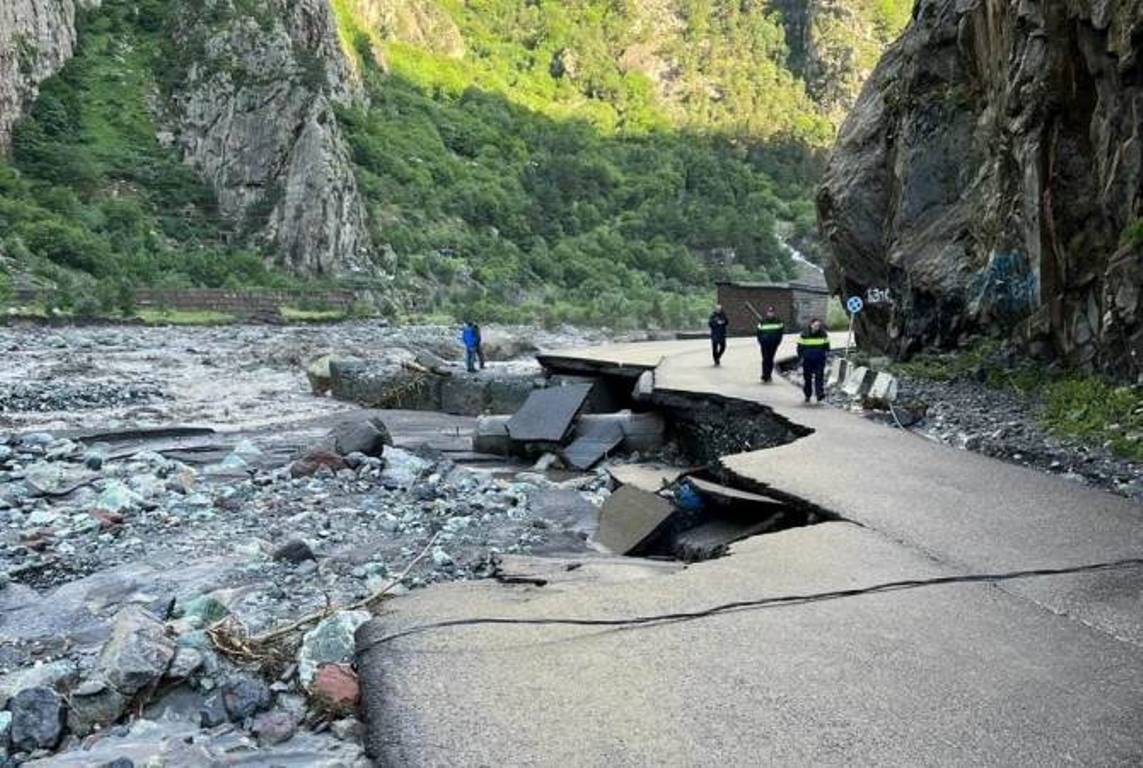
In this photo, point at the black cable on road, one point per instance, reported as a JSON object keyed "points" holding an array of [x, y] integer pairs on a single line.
{"points": [[765, 602]]}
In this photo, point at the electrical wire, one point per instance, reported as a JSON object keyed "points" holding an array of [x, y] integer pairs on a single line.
{"points": [[759, 603]]}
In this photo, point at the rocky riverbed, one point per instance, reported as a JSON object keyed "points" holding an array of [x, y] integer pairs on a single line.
{"points": [[147, 570]]}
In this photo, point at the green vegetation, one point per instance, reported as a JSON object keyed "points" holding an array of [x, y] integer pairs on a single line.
{"points": [[1092, 409], [295, 315], [184, 317], [91, 197], [592, 161]]}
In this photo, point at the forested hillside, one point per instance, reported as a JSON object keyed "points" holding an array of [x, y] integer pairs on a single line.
{"points": [[591, 161]]}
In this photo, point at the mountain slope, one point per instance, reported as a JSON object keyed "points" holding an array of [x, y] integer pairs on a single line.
{"points": [[587, 160]]}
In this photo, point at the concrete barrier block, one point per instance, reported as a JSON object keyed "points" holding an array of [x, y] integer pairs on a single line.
{"points": [[858, 381], [883, 389], [838, 368]]}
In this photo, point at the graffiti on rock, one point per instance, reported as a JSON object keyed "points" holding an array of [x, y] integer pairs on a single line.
{"points": [[879, 296], [1008, 286]]}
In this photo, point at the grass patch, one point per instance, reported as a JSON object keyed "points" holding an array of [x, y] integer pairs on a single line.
{"points": [[295, 315], [837, 319], [1095, 410], [185, 317]]}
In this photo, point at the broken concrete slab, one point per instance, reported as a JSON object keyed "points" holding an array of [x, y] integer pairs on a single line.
{"points": [[713, 538], [589, 568], [630, 517], [646, 477], [644, 387], [858, 381], [643, 432], [594, 441], [727, 495], [547, 415]]}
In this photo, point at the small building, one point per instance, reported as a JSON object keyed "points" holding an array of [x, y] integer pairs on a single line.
{"points": [[796, 303]]}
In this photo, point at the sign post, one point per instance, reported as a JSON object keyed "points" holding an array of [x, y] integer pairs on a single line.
{"points": [[854, 305]]}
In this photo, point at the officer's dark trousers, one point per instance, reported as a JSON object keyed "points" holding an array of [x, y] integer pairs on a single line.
{"points": [[718, 347], [813, 371], [769, 351]]}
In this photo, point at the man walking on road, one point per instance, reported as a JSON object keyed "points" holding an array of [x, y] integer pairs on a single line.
{"points": [[813, 349], [718, 323], [770, 332]]}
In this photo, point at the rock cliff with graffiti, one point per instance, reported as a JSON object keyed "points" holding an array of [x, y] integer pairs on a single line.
{"points": [[989, 179]]}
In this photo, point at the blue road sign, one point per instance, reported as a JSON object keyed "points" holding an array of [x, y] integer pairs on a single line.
{"points": [[855, 305]]}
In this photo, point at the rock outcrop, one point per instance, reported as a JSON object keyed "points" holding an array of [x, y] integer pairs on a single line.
{"points": [[37, 37], [254, 115], [989, 176]]}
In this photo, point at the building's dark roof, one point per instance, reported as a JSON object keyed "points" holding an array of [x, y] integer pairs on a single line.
{"points": [[791, 286]]}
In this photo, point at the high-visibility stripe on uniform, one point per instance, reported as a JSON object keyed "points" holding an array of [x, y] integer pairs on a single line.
{"points": [[813, 341], [772, 327]]}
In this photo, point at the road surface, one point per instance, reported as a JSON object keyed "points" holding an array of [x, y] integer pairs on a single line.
{"points": [[1035, 670]]}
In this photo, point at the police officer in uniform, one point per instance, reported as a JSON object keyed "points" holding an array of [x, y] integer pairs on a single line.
{"points": [[770, 332], [813, 349]]}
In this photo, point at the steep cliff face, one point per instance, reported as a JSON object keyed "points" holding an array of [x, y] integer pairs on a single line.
{"points": [[834, 45], [253, 114], [37, 38], [989, 176]]}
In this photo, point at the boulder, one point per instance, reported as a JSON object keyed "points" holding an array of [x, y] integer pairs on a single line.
{"points": [[368, 437], [274, 727], [138, 652], [319, 374], [37, 719], [403, 468], [244, 696], [93, 706], [491, 435], [55, 674], [294, 551], [978, 184], [330, 642]]}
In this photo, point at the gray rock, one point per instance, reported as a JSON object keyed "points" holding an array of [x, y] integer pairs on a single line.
{"points": [[55, 674], [330, 642], [138, 652], [255, 118], [244, 696], [185, 663], [294, 551], [365, 437], [213, 711], [274, 727], [37, 719], [94, 706]]}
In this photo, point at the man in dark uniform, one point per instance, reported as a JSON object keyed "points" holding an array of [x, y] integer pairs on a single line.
{"points": [[813, 349], [718, 323], [770, 332]]}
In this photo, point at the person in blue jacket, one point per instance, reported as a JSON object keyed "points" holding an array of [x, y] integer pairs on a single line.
{"points": [[770, 332], [471, 338], [813, 349]]}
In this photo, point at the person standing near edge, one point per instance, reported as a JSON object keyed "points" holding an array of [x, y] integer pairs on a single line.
{"points": [[471, 338], [718, 323], [770, 332], [813, 349], [479, 346]]}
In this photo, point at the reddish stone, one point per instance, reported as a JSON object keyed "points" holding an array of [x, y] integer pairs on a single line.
{"points": [[314, 460], [107, 519], [37, 541], [335, 689]]}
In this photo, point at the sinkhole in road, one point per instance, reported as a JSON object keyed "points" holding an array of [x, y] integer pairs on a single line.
{"points": [[698, 513]]}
